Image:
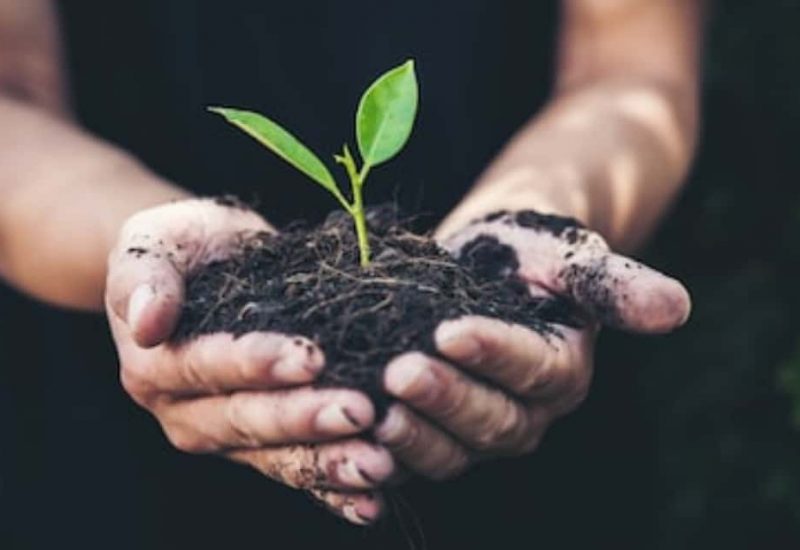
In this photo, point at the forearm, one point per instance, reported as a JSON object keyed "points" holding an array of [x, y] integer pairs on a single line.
{"points": [[63, 197], [612, 153]]}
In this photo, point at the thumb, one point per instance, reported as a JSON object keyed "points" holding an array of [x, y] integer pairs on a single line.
{"points": [[560, 256], [624, 293], [144, 291], [157, 248]]}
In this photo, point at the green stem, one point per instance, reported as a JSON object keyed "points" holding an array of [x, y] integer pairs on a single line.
{"points": [[356, 209], [362, 175], [361, 225]]}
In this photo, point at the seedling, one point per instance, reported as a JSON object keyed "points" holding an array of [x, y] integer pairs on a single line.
{"points": [[384, 120]]}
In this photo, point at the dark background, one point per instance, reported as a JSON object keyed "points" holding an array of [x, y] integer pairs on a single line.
{"points": [[686, 441]]}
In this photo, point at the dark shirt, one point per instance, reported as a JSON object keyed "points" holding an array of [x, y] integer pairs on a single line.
{"points": [[143, 73]]}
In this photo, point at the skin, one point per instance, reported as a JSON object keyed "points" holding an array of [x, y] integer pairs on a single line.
{"points": [[611, 149]]}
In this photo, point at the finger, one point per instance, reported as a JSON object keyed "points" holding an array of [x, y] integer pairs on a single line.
{"points": [[146, 294], [420, 446], [480, 417], [352, 465], [223, 363], [561, 256], [255, 419], [156, 249], [357, 508], [623, 293], [511, 356]]}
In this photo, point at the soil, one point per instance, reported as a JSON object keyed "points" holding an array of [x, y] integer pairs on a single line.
{"points": [[308, 281]]}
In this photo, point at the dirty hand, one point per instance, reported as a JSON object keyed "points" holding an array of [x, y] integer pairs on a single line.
{"points": [[498, 386], [249, 398]]}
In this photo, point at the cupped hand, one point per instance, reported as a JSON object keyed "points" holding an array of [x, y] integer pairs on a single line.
{"points": [[246, 398], [496, 387]]}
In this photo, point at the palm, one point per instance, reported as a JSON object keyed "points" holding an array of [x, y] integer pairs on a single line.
{"points": [[249, 398], [450, 416]]}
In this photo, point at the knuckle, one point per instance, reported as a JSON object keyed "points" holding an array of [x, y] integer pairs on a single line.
{"points": [[572, 397], [531, 444], [406, 436], [116, 290], [500, 431], [538, 378], [483, 443], [581, 391], [455, 464], [254, 372], [251, 369], [304, 468], [237, 418], [191, 368], [510, 424], [537, 422], [485, 440], [452, 401], [529, 381], [185, 440], [134, 382]]}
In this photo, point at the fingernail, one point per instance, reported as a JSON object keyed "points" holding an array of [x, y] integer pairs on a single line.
{"points": [[454, 343], [352, 515], [141, 297], [296, 367], [448, 331], [410, 378], [354, 476], [300, 354], [335, 419], [369, 479], [290, 369], [368, 509]]}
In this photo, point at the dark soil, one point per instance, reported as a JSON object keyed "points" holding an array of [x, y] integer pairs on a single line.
{"points": [[309, 282]]}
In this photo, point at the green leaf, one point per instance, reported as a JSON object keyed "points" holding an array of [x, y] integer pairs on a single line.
{"points": [[386, 114], [282, 143]]}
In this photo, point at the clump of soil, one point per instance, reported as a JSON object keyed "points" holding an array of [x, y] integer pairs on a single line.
{"points": [[308, 281]]}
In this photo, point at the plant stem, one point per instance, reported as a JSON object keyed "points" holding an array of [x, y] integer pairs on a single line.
{"points": [[360, 222], [356, 210], [362, 175]]}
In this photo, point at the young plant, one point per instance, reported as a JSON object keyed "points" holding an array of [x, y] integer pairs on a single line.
{"points": [[384, 120]]}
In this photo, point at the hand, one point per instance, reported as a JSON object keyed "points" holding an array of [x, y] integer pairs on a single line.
{"points": [[248, 398], [499, 386]]}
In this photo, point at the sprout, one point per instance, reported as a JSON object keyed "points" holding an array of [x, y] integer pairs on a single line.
{"points": [[384, 121]]}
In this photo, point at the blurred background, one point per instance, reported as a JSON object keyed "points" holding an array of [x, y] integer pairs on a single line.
{"points": [[720, 395], [694, 439]]}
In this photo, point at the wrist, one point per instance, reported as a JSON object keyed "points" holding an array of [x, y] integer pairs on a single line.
{"points": [[513, 195]]}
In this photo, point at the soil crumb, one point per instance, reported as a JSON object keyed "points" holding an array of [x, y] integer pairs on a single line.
{"points": [[308, 282]]}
